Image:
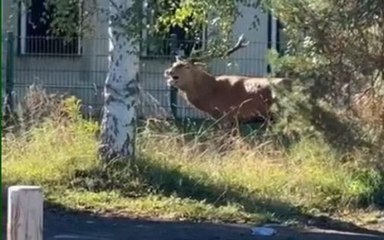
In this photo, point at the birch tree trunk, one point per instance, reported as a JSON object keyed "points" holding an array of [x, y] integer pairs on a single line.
{"points": [[118, 127]]}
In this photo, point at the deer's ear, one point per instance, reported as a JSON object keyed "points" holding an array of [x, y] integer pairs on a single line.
{"points": [[178, 58]]}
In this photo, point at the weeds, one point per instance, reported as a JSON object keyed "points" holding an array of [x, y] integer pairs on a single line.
{"points": [[183, 177]]}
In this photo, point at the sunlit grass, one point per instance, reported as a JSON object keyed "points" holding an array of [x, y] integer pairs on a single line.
{"points": [[182, 177]]}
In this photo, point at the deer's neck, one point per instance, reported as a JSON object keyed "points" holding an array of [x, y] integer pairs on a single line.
{"points": [[203, 87]]}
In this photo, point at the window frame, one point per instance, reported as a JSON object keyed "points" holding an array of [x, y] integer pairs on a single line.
{"points": [[23, 38], [149, 20]]}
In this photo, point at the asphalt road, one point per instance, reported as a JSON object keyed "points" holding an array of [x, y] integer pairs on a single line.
{"points": [[68, 226]]}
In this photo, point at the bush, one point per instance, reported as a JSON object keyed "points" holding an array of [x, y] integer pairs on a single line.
{"points": [[56, 143], [186, 177], [334, 51]]}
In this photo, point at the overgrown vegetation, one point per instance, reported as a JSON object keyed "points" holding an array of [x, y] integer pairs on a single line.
{"points": [[324, 154], [175, 176], [335, 52]]}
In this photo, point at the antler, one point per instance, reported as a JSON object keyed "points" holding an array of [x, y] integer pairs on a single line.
{"points": [[241, 43]]}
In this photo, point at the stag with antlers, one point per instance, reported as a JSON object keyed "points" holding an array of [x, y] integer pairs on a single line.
{"points": [[228, 97]]}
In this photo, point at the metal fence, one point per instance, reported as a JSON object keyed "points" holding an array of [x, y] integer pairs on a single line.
{"points": [[79, 67]]}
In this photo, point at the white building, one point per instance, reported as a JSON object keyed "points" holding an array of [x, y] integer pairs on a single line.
{"points": [[79, 67]]}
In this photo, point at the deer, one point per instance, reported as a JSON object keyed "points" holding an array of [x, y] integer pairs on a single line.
{"points": [[233, 99]]}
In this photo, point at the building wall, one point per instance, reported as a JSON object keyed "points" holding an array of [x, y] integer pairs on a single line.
{"points": [[84, 76]]}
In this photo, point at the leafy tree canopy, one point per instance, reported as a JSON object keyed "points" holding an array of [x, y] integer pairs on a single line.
{"points": [[191, 15]]}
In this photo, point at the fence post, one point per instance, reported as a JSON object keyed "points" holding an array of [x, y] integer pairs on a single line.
{"points": [[9, 81], [25, 213], [173, 90], [269, 38]]}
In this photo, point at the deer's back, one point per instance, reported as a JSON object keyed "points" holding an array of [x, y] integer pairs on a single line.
{"points": [[242, 96]]}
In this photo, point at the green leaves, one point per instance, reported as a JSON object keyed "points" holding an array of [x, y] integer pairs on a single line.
{"points": [[72, 17]]}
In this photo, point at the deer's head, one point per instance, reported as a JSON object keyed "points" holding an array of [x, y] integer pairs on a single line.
{"points": [[184, 71]]}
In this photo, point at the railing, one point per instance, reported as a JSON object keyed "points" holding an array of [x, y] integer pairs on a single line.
{"points": [[79, 67]]}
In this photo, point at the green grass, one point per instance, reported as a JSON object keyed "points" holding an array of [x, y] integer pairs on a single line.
{"points": [[152, 206], [175, 177]]}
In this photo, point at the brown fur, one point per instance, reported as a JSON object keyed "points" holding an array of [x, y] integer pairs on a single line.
{"points": [[229, 97]]}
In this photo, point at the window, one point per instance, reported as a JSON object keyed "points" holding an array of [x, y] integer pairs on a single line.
{"points": [[161, 44], [281, 40], [37, 36]]}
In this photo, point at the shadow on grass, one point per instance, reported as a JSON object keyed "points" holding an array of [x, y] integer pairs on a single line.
{"points": [[60, 221], [345, 137], [172, 181], [165, 180], [342, 135]]}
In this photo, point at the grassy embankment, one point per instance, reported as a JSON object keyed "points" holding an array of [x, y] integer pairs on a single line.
{"points": [[179, 177]]}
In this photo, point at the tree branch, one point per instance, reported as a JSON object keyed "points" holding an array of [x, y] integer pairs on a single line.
{"points": [[241, 43]]}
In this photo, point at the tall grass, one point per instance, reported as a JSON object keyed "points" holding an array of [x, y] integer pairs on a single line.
{"points": [[309, 174], [176, 176], [50, 152]]}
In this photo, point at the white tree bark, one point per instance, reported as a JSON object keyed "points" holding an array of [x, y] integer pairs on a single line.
{"points": [[118, 125]]}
